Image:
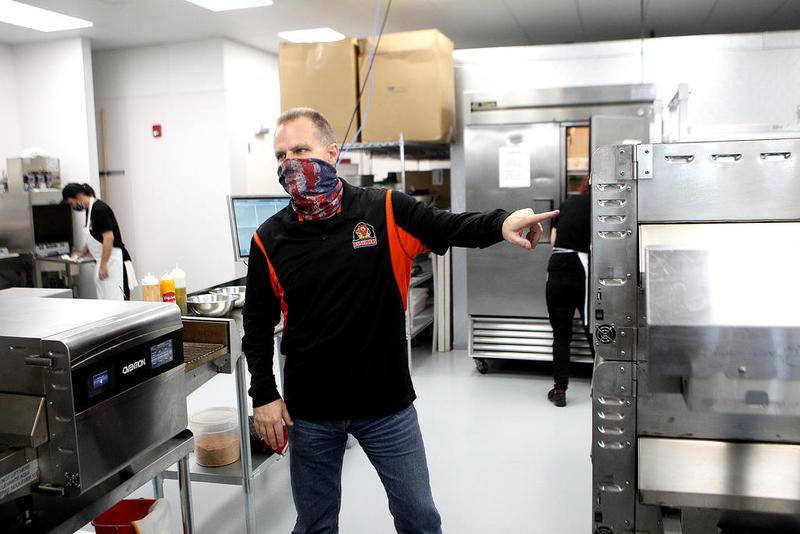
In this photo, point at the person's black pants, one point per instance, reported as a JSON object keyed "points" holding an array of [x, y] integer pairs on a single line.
{"points": [[565, 293]]}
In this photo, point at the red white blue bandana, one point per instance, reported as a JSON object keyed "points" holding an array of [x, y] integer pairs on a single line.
{"points": [[315, 189]]}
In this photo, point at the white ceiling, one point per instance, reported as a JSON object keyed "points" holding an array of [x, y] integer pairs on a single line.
{"points": [[470, 23]]}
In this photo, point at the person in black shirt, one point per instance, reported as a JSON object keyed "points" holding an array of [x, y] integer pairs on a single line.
{"points": [[103, 242], [566, 283], [336, 264]]}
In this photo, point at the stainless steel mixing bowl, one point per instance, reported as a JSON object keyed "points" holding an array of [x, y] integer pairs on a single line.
{"points": [[236, 291], [211, 304]]}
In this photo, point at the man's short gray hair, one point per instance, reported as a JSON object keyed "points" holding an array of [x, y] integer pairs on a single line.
{"points": [[323, 127]]}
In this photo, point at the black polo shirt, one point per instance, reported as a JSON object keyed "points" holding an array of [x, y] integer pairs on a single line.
{"points": [[573, 231], [103, 220], [342, 284]]}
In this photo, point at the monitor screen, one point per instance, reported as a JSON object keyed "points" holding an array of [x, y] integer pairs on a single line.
{"points": [[247, 214], [52, 223]]}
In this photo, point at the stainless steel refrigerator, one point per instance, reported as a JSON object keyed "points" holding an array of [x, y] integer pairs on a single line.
{"points": [[515, 157]]}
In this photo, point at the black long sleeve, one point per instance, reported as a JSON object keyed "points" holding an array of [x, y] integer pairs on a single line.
{"points": [[439, 229], [261, 313]]}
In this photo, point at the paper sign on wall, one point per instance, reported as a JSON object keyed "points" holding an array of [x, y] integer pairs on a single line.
{"points": [[514, 165]]}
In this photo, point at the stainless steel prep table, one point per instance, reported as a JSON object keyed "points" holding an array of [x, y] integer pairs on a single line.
{"points": [[67, 263], [66, 516], [222, 339]]}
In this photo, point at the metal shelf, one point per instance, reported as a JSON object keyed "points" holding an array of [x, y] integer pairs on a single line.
{"points": [[413, 149], [227, 474], [69, 514], [422, 321], [508, 355], [420, 279]]}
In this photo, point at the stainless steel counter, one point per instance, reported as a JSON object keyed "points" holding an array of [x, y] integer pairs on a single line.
{"points": [[66, 516]]}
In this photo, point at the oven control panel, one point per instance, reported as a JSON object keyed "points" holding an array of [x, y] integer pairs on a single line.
{"points": [[119, 371]]}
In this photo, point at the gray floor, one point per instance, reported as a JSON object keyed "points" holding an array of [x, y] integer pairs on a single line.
{"points": [[502, 459]]}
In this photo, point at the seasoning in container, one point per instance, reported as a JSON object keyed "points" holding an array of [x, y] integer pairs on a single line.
{"points": [[216, 436], [167, 288], [151, 291], [180, 289]]}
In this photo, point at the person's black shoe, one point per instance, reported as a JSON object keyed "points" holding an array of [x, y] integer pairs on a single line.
{"points": [[557, 397]]}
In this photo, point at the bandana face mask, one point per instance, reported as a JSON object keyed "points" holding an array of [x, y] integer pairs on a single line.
{"points": [[315, 189]]}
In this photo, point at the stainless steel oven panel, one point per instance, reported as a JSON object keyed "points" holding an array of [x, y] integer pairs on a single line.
{"points": [[15, 375], [60, 467], [613, 443], [723, 181], [113, 432], [614, 273], [118, 332], [757, 477]]}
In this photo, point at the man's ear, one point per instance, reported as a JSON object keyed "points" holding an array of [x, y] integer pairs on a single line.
{"points": [[333, 153]]}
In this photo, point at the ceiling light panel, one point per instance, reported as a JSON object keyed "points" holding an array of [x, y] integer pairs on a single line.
{"points": [[312, 35], [36, 18], [230, 5]]}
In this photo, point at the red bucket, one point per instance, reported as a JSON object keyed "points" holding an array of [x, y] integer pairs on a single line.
{"points": [[118, 518]]}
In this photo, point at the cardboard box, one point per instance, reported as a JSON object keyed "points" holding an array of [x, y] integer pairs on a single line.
{"points": [[578, 148], [413, 88], [322, 76]]}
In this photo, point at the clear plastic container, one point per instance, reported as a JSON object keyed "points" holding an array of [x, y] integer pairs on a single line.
{"points": [[151, 291], [216, 436]]}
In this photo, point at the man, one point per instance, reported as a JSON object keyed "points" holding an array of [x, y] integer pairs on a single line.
{"points": [[337, 262]]}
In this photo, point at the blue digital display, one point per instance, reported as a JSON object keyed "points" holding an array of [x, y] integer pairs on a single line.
{"points": [[161, 354], [100, 380]]}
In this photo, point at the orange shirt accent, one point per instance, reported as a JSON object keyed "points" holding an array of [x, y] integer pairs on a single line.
{"points": [[403, 248], [273, 278]]}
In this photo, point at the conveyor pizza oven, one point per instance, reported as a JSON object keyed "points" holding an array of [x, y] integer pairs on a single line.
{"points": [[694, 305]]}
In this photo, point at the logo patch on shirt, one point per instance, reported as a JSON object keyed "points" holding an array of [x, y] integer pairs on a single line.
{"points": [[364, 236]]}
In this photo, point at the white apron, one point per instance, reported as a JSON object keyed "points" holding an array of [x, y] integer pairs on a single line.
{"points": [[583, 257], [111, 287]]}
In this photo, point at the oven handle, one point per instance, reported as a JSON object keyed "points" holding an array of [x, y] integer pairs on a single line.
{"points": [[38, 361]]}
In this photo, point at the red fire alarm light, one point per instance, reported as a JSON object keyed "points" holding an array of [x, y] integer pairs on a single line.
{"points": [[156, 130]]}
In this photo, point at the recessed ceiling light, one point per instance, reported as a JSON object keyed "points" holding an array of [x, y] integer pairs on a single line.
{"points": [[312, 35], [36, 18], [230, 5]]}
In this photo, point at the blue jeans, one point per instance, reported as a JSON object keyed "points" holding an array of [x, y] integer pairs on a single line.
{"points": [[393, 445]]}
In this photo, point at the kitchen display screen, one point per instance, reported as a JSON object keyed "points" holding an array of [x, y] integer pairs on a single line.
{"points": [[161, 354], [98, 383], [249, 213], [99, 380]]}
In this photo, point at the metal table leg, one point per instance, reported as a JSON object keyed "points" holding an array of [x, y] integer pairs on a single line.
{"points": [[70, 284], [37, 273], [247, 459], [185, 490], [158, 486]]}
